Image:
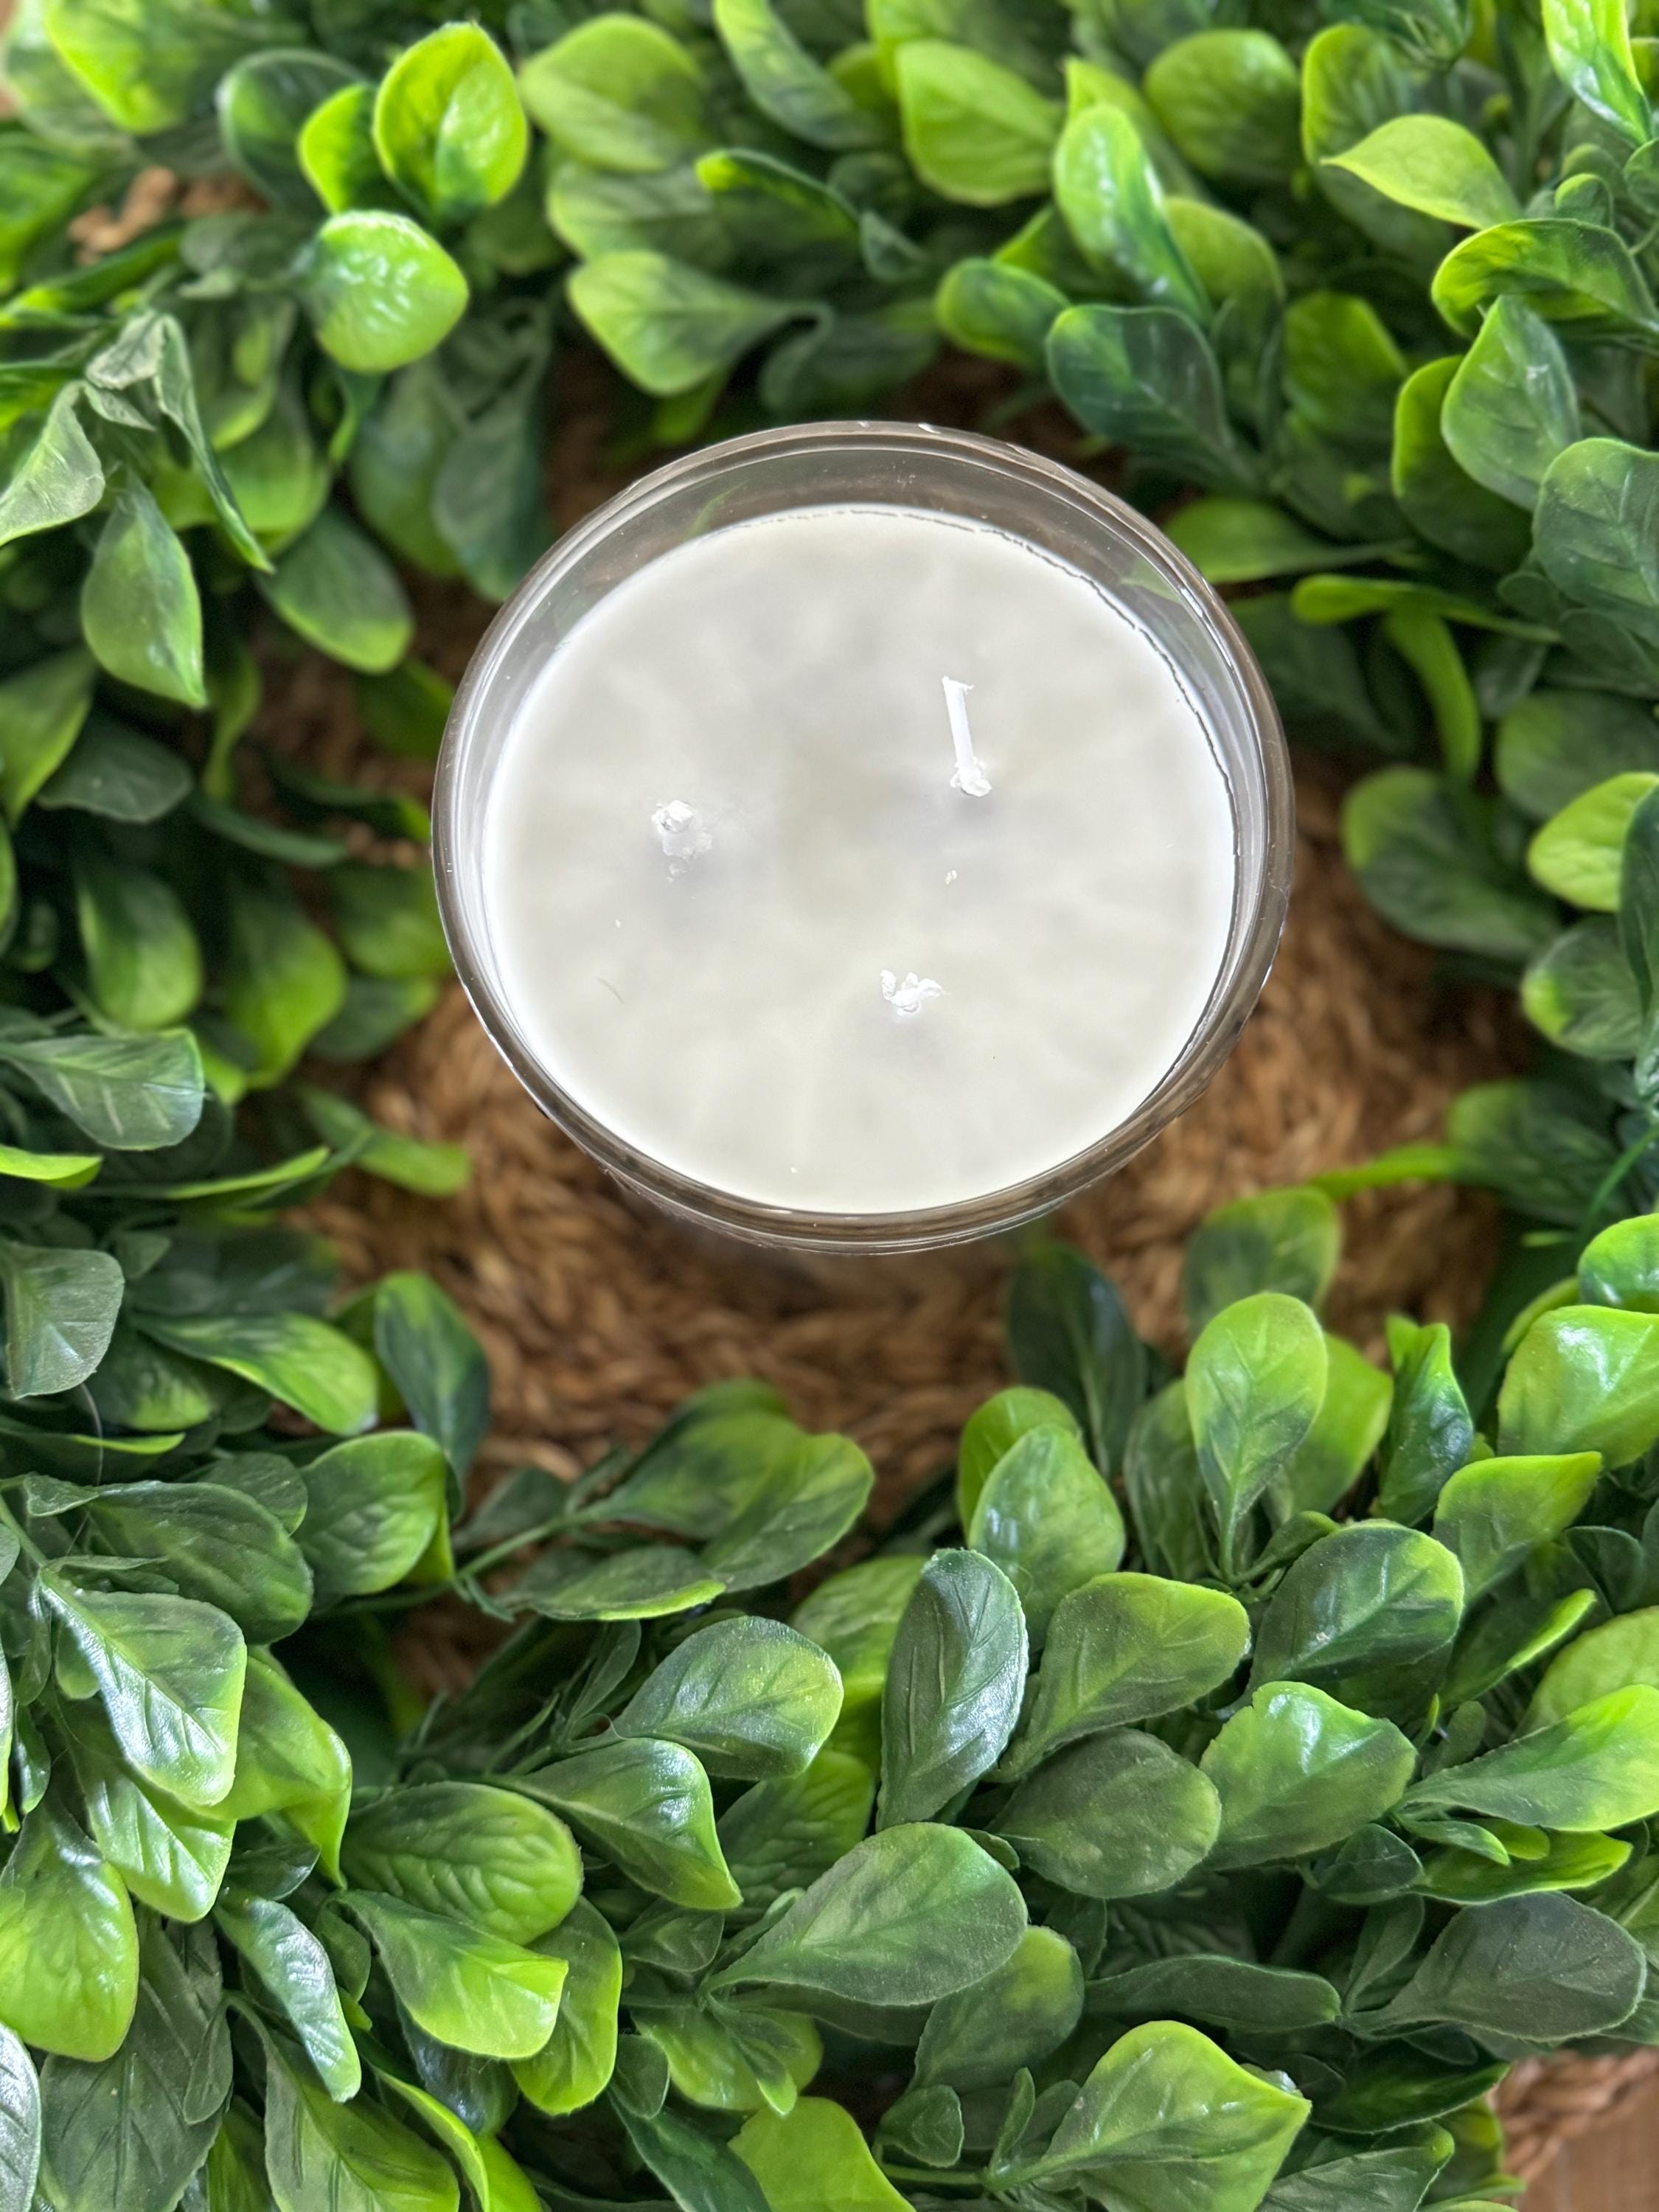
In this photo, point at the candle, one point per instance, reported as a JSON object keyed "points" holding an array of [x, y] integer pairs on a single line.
{"points": [[841, 859]]}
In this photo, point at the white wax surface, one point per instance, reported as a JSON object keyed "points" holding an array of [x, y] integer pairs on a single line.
{"points": [[724, 811]]}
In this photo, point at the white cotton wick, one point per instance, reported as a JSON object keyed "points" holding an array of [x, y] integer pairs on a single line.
{"points": [[968, 775], [680, 832], [910, 996]]}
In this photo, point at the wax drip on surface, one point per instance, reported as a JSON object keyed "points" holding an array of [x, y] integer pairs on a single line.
{"points": [[969, 774], [910, 996], [680, 832]]}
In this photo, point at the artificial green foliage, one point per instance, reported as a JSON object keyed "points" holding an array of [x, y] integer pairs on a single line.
{"points": [[773, 1866]]}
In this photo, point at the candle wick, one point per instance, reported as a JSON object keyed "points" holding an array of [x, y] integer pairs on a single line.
{"points": [[968, 775], [910, 996], [680, 832]]}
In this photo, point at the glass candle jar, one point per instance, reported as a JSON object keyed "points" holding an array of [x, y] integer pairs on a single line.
{"points": [[862, 836]]}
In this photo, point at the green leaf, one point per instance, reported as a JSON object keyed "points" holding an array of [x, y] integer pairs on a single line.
{"points": [[1597, 1768], [374, 1506], [1424, 870], [1126, 1648], [1017, 2016], [170, 1672], [744, 2062], [296, 1358], [1352, 1418], [379, 292], [126, 2135], [56, 479], [995, 1429], [954, 1684], [140, 609], [1147, 377], [288, 1760], [906, 1918], [648, 1806], [1620, 1654], [1576, 274], [42, 709], [667, 326], [1298, 1771], [1107, 190], [216, 1545], [1048, 1520], [1371, 1596], [1496, 1512], [1231, 101], [143, 960], [576, 2061], [61, 1306], [128, 1094], [1003, 312], [283, 978], [1434, 165], [487, 1856], [810, 1502], [813, 2159], [471, 1991], [786, 83], [293, 1970], [699, 2174], [19, 2125], [170, 1857], [262, 104], [1553, 746], [118, 773], [424, 1345], [1118, 1815], [1598, 505], [1583, 1379], [619, 92], [68, 1948], [1512, 406], [1285, 1240], [1068, 1334], [749, 1697], [644, 1584], [1167, 2123], [1453, 510], [1590, 46], [1245, 541], [1255, 1384], [1225, 1992], [335, 151], [448, 127], [781, 1833], [1572, 1862], [352, 2158], [1620, 1268], [338, 591], [973, 130], [1544, 1967], [1581, 995]]}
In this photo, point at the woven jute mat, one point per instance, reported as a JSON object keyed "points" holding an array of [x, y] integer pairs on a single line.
{"points": [[599, 1316]]}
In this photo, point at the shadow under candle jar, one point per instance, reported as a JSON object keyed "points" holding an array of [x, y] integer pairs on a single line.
{"points": [[861, 837]]}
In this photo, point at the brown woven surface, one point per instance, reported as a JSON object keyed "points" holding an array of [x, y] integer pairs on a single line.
{"points": [[1543, 2105], [599, 1318]]}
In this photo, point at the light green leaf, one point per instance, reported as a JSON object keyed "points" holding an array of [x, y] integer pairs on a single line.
{"points": [[1434, 165], [1298, 1771], [471, 1991], [140, 609], [448, 126], [379, 292]]}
